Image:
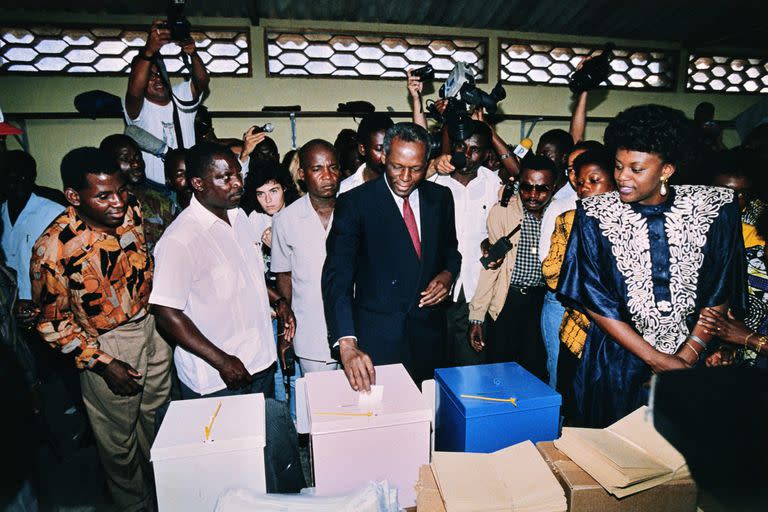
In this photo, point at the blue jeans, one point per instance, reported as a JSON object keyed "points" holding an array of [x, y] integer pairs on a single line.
{"points": [[280, 380], [551, 317]]}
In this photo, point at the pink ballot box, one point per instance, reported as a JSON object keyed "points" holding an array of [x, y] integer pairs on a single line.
{"points": [[354, 439], [192, 471]]}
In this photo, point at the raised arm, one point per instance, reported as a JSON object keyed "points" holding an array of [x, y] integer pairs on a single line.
{"points": [[579, 118], [415, 87], [157, 37]]}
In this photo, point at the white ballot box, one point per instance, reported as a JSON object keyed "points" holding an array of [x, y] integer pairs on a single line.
{"points": [[192, 471], [356, 438]]}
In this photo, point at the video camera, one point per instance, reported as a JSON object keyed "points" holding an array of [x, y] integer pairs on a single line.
{"points": [[463, 96], [177, 23]]}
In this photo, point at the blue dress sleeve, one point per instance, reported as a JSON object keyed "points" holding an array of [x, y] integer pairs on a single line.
{"points": [[723, 274], [586, 280]]}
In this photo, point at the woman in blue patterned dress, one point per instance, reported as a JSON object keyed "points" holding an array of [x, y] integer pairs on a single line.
{"points": [[643, 261]]}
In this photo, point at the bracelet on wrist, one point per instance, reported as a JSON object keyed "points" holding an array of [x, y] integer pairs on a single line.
{"points": [[476, 322], [505, 156]]}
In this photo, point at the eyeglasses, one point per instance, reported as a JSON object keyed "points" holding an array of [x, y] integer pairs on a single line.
{"points": [[528, 187]]}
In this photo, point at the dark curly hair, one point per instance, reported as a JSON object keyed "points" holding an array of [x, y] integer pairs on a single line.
{"points": [[651, 129], [261, 172]]}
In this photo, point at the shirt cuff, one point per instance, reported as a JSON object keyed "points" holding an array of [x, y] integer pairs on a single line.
{"points": [[338, 341]]}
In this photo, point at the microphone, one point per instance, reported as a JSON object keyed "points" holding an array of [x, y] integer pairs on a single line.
{"points": [[523, 148], [268, 128], [459, 160], [146, 141]]}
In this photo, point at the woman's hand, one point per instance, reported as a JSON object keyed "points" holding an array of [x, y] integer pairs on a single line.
{"points": [[723, 356], [725, 327]]}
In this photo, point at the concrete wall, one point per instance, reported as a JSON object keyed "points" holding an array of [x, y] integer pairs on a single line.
{"points": [[50, 139]]}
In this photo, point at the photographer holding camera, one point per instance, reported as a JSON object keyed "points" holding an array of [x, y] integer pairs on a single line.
{"points": [[151, 104]]}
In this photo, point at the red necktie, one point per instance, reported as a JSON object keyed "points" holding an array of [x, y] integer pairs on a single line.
{"points": [[410, 223]]}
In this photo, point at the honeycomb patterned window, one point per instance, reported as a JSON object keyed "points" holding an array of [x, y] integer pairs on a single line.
{"points": [[711, 73], [315, 54], [551, 63], [109, 50]]}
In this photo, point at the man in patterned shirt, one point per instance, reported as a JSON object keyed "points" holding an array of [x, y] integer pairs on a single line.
{"points": [[512, 294], [91, 277]]}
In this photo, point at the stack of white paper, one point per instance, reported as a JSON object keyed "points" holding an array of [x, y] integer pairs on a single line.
{"points": [[515, 478]]}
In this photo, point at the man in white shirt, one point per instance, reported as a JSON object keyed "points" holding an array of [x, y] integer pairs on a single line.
{"points": [[25, 215], [150, 105], [298, 252], [370, 138], [475, 190], [209, 295]]}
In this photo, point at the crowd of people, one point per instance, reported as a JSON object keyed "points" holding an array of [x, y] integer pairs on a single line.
{"points": [[205, 270]]}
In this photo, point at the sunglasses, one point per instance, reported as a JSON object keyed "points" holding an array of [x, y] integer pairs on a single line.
{"points": [[527, 187]]}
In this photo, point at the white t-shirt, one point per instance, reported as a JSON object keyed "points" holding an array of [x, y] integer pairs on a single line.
{"points": [[298, 247], [158, 120], [214, 273], [472, 205], [352, 181]]}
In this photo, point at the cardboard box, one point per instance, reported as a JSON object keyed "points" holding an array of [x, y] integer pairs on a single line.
{"points": [[428, 497], [584, 494], [190, 472], [352, 444], [485, 426]]}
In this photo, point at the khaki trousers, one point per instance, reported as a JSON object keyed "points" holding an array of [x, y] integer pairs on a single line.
{"points": [[124, 426]]}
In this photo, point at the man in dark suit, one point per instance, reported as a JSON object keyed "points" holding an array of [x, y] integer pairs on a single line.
{"points": [[392, 256]]}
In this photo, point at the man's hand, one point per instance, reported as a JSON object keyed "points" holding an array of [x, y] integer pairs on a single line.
{"points": [[266, 237], [286, 319], [415, 85], [234, 373], [159, 35], [475, 336], [26, 312], [485, 246], [121, 378], [251, 139], [282, 347], [443, 164], [358, 366], [188, 46], [437, 289]]}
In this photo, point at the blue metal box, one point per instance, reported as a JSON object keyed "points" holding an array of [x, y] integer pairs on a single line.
{"points": [[480, 425]]}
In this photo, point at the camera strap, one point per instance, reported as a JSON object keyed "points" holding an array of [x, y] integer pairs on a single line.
{"points": [[512, 233], [185, 103]]}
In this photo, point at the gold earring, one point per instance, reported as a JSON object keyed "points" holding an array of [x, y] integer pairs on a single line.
{"points": [[664, 189]]}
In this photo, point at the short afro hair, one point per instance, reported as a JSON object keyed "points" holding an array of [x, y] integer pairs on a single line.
{"points": [[372, 123], [599, 157], [739, 162], [654, 129], [533, 162], [19, 160], [561, 139], [407, 132], [201, 156], [83, 161], [312, 144], [113, 143]]}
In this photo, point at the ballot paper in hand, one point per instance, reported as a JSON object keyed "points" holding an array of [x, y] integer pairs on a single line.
{"points": [[625, 458], [515, 478]]}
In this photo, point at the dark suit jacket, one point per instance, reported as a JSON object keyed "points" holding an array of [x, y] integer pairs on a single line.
{"points": [[372, 278]]}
